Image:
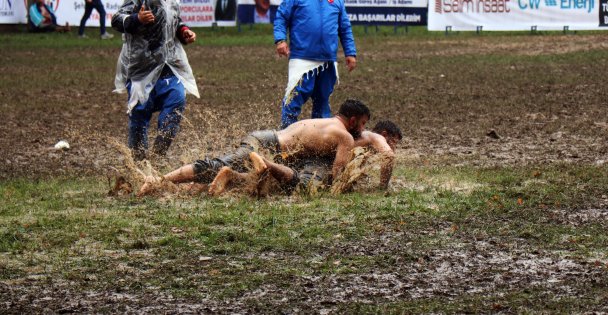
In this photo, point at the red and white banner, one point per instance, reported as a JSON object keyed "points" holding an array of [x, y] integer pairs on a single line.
{"points": [[514, 15], [201, 13]]}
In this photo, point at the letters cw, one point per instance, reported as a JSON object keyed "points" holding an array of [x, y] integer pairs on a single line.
{"points": [[562, 4]]}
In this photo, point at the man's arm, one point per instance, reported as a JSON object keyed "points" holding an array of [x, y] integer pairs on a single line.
{"points": [[379, 144], [343, 153], [131, 15], [281, 23], [347, 39], [386, 169], [184, 33]]}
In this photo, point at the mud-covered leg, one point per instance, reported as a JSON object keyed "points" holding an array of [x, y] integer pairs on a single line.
{"points": [[225, 177], [151, 183], [258, 163]]}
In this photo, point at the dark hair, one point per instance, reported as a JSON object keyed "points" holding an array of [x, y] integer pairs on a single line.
{"points": [[353, 108], [390, 128]]}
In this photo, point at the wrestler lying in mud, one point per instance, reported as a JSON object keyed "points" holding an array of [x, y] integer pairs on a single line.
{"points": [[334, 137], [314, 172]]}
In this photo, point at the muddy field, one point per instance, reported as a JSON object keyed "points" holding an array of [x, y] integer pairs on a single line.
{"points": [[476, 101], [449, 95]]}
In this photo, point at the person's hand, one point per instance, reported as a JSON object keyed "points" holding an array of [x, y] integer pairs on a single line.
{"points": [[189, 36], [351, 63], [283, 49], [145, 16]]}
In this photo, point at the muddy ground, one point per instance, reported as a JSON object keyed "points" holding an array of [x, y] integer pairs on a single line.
{"points": [[487, 101], [484, 101]]}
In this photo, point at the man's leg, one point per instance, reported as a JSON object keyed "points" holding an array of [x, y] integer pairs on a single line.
{"points": [[183, 174], [290, 111], [139, 120], [324, 86], [281, 173], [201, 171], [88, 8], [102, 16], [314, 174], [226, 175], [171, 95]]}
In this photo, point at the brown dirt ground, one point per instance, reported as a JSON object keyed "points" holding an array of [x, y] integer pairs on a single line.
{"points": [[447, 94], [544, 105]]}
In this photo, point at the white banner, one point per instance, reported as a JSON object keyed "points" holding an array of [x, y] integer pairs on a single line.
{"points": [[206, 12], [12, 12], [193, 12], [514, 15], [71, 11]]}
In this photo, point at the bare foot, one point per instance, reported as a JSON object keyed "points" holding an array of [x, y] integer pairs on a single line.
{"points": [[221, 180], [150, 184], [195, 188], [258, 163]]}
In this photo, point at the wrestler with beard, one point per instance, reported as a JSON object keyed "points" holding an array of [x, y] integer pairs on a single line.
{"points": [[322, 138]]}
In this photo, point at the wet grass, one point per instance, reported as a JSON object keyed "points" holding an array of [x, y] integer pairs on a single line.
{"points": [[225, 249], [525, 235], [254, 35]]}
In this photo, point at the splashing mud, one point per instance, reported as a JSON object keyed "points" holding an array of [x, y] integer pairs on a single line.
{"points": [[361, 172]]}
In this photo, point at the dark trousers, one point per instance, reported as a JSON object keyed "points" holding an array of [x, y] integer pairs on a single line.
{"points": [[206, 169], [88, 8], [169, 98]]}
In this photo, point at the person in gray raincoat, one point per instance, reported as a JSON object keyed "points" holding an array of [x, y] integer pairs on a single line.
{"points": [[153, 68]]}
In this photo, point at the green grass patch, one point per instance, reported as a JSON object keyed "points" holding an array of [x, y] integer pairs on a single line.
{"points": [[69, 229]]}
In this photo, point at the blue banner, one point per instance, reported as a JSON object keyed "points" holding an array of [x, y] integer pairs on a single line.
{"points": [[603, 13]]}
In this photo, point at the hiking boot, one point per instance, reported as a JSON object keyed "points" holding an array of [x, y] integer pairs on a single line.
{"points": [[106, 35]]}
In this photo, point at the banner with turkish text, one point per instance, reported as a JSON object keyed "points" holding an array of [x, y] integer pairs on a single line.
{"points": [[196, 13], [517, 15], [12, 11], [387, 12]]}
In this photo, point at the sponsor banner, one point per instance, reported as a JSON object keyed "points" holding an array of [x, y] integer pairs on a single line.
{"points": [[387, 12], [603, 9], [387, 3], [12, 12], [257, 11], [375, 12], [514, 15], [71, 11], [195, 13], [387, 15], [224, 13]]}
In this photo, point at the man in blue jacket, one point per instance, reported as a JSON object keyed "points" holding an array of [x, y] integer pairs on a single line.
{"points": [[314, 28]]}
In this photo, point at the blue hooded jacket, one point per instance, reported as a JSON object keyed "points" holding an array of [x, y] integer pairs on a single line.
{"points": [[36, 18], [314, 27]]}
